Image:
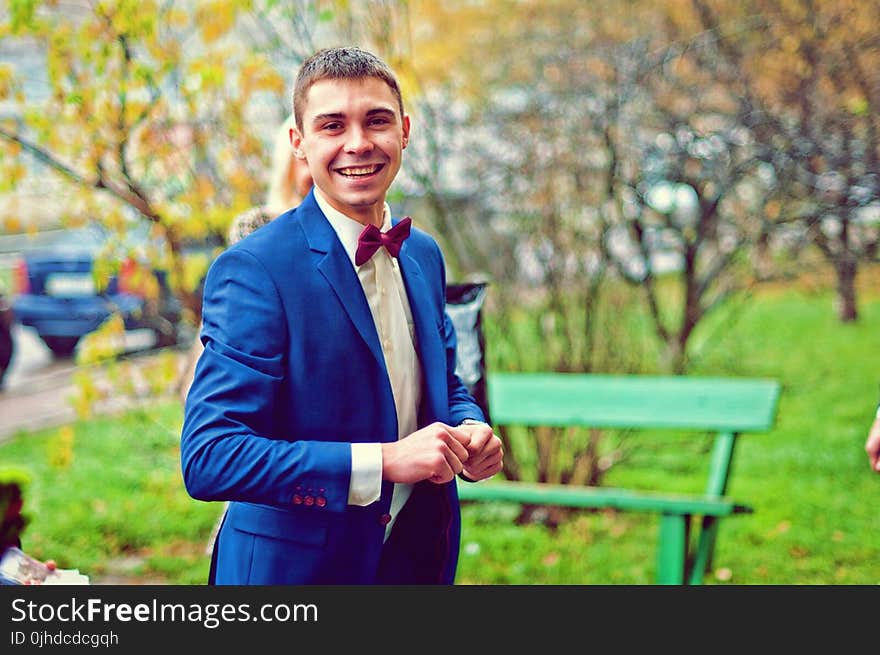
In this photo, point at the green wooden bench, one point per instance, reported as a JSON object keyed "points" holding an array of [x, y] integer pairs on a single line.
{"points": [[720, 407]]}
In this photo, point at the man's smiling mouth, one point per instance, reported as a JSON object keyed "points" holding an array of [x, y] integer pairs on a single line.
{"points": [[359, 171]]}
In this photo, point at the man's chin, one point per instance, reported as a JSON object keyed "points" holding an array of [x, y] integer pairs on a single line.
{"points": [[357, 205], [362, 200]]}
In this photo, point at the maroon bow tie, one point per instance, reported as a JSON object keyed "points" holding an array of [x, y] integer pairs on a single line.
{"points": [[371, 239]]}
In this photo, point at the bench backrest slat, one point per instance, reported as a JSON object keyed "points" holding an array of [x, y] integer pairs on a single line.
{"points": [[636, 401]]}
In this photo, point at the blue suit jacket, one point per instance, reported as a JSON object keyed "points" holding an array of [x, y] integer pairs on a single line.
{"points": [[291, 374]]}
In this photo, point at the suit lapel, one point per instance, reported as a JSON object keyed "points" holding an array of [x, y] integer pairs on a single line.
{"points": [[334, 264]]}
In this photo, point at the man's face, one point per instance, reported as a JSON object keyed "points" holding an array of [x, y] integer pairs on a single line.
{"points": [[353, 138]]}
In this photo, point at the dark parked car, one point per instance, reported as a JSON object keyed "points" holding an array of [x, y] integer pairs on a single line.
{"points": [[6, 343], [56, 291]]}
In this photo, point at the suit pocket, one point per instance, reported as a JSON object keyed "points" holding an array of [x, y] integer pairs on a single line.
{"points": [[298, 526]]}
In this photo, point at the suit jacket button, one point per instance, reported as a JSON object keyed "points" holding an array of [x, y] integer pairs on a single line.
{"points": [[309, 501], [320, 501], [385, 519], [297, 499]]}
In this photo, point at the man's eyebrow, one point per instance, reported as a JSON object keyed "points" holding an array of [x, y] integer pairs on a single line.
{"points": [[333, 115], [380, 110]]}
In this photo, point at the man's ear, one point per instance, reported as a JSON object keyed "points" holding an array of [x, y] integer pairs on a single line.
{"points": [[406, 127], [296, 142]]}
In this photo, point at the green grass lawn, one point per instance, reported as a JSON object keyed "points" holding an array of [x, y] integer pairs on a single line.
{"points": [[107, 496]]}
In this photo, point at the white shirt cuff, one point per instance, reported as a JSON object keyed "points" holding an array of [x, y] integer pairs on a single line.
{"points": [[366, 474]]}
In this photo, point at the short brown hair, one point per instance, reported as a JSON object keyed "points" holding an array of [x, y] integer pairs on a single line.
{"points": [[340, 63]]}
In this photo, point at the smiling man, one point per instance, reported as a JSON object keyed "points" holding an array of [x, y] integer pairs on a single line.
{"points": [[325, 406]]}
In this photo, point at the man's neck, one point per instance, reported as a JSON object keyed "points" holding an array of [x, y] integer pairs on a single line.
{"points": [[371, 215]]}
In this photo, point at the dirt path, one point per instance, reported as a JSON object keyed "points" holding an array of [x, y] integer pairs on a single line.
{"points": [[44, 399]]}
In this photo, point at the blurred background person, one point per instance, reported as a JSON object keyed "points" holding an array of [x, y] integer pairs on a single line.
{"points": [[289, 182], [872, 445], [7, 345]]}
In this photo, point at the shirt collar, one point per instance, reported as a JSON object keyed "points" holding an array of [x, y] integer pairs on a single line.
{"points": [[347, 229]]}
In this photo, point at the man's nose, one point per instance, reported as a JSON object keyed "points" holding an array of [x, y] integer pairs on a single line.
{"points": [[358, 141]]}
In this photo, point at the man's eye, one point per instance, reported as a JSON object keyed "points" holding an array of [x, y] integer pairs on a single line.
{"points": [[331, 126]]}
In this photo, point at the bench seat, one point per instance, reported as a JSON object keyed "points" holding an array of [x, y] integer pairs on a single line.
{"points": [[720, 408]]}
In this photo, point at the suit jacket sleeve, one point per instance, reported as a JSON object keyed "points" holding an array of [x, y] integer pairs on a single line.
{"points": [[461, 403], [228, 451]]}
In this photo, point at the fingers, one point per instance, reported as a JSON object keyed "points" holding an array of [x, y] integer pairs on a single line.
{"points": [[486, 468], [459, 444], [486, 455], [442, 473], [483, 447], [446, 470], [480, 434], [454, 454]]}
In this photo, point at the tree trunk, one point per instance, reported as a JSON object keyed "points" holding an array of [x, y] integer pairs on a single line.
{"points": [[674, 356], [762, 258], [847, 267]]}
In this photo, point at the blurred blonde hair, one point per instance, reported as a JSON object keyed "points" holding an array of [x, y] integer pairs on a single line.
{"points": [[282, 193]]}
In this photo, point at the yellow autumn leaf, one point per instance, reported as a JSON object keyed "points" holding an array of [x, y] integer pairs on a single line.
{"points": [[215, 19], [12, 224], [60, 448]]}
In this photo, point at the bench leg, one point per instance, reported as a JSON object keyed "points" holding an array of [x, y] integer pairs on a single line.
{"points": [[672, 549], [705, 549]]}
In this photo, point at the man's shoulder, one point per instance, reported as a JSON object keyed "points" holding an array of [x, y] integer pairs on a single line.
{"points": [[422, 239], [424, 247]]}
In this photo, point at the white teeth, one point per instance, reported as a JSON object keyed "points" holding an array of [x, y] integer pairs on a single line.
{"points": [[363, 170]]}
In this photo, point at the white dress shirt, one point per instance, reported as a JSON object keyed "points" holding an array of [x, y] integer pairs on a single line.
{"points": [[383, 286]]}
